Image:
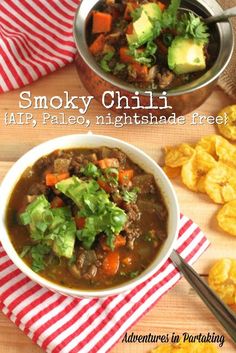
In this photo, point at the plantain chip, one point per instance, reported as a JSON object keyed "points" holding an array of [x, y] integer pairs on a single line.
{"points": [[220, 183], [195, 170], [228, 129], [186, 347], [201, 184], [227, 217], [226, 152], [178, 156], [172, 173], [222, 279], [208, 143]]}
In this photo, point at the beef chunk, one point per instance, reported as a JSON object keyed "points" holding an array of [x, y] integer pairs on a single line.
{"points": [[145, 183], [61, 165], [38, 189], [44, 163], [132, 212], [113, 38], [117, 198], [92, 157], [132, 233], [92, 271], [86, 264], [77, 162], [105, 152], [121, 156], [165, 79]]}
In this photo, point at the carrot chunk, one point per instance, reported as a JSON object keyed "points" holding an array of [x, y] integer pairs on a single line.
{"points": [[125, 57], [108, 163], [98, 45], [119, 242], [53, 179], [80, 222], [130, 29], [57, 202], [111, 263], [141, 71], [105, 186], [161, 5], [125, 176], [101, 22]]}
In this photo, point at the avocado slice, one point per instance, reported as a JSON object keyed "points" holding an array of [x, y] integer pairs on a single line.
{"points": [[186, 55], [153, 11], [142, 31]]}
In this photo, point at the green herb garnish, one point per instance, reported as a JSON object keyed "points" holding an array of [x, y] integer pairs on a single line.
{"points": [[38, 253], [134, 274], [53, 227], [136, 14], [147, 56], [169, 16], [111, 176], [191, 26], [91, 170], [130, 196], [104, 63], [94, 204], [119, 67]]}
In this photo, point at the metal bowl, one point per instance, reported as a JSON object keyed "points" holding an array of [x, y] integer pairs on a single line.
{"points": [[183, 99]]}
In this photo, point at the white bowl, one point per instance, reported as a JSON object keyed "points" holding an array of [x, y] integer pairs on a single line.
{"points": [[90, 141]]}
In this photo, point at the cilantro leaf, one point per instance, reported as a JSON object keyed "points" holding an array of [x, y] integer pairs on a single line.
{"points": [[26, 249], [169, 16], [118, 68], [134, 274], [130, 196], [191, 26], [111, 176], [147, 56], [91, 170], [38, 253], [136, 14], [104, 63], [111, 221]]}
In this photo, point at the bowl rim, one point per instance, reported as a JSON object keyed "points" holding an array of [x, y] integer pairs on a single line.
{"points": [[209, 77], [14, 256]]}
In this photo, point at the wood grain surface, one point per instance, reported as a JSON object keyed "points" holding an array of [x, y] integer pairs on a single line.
{"points": [[180, 310]]}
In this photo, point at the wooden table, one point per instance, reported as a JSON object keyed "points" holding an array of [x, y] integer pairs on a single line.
{"points": [[179, 310]]}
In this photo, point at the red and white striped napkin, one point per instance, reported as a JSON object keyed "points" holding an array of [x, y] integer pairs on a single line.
{"points": [[61, 324], [35, 39]]}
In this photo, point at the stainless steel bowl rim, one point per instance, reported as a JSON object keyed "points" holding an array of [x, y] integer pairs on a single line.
{"points": [[226, 50]]}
